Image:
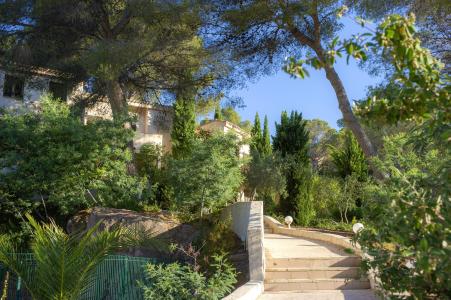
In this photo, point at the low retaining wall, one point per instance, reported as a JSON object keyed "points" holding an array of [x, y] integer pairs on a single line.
{"points": [[247, 222], [342, 241], [331, 238]]}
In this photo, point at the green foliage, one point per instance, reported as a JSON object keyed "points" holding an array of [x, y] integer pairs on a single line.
{"points": [[140, 46], [350, 194], [431, 17], [184, 127], [181, 282], [300, 196], [217, 238], [266, 140], [218, 114], [256, 135], [230, 114], [210, 177], [330, 224], [291, 141], [349, 159], [55, 164], [408, 220], [63, 265], [265, 177], [147, 160], [423, 93], [326, 194], [320, 135], [292, 137]]}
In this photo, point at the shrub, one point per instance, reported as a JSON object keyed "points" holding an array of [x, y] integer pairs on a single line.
{"points": [[326, 193], [181, 282], [408, 219], [54, 164], [208, 178]]}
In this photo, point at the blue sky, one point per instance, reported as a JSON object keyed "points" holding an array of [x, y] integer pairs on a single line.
{"points": [[313, 96]]}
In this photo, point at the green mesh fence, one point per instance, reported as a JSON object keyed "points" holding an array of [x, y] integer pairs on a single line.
{"points": [[116, 278]]}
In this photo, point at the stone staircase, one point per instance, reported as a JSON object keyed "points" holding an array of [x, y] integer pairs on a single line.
{"points": [[310, 268]]}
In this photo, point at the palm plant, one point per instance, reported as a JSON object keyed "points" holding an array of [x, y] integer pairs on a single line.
{"points": [[63, 264]]}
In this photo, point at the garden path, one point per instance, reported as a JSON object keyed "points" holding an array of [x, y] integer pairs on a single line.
{"points": [[299, 268]]}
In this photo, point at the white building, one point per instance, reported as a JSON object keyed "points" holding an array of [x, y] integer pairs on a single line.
{"points": [[225, 127], [21, 88]]}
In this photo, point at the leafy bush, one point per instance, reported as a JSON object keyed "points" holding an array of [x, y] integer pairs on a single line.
{"points": [[181, 282], [147, 160], [208, 178], [326, 193], [265, 179], [408, 220], [51, 163]]}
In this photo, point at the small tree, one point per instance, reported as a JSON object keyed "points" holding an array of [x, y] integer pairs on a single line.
{"points": [[209, 177], [230, 114], [349, 158], [184, 125], [265, 179], [266, 140], [218, 113], [256, 135], [291, 141], [351, 192]]}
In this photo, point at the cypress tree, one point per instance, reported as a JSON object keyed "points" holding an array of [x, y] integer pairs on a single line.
{"points": [[266, 141], [292, 137], [218, 113], [291, 141], [184, 126], [256, 135]]}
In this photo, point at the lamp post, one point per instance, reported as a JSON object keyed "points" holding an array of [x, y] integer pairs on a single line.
{"points": [[288, 221], [357, 227]]}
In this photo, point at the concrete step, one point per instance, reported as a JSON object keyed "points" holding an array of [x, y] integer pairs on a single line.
{"points": [[317, 262], [321, 295], [277, 285], [312, 273]]}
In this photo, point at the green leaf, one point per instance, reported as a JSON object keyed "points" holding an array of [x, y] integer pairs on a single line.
{"points": [[389, 33]]}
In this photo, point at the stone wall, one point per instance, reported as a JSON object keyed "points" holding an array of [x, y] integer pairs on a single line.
{"points": [[247, 222]]}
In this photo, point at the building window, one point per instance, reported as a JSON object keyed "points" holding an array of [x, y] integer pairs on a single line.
{"points": [[13, 87], [58, 90]]}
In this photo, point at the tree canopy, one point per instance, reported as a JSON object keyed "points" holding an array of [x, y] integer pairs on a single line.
{"points": [[130, 47], [262, 33]]}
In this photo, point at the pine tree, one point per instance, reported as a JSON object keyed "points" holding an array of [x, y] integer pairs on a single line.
{"points": [[256, 135], [184, 125], [349, 159], [266, 141]]}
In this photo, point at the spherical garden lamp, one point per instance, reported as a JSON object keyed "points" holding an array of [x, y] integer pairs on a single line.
{"points": [[288, 221], [357, 227]]}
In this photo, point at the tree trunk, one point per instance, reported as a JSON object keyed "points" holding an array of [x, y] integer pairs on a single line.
{"points": [[119, 109], [117, 99], [349, 118]]}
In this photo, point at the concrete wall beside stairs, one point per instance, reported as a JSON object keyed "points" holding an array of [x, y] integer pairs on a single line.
{"points": [[247, 222]]}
